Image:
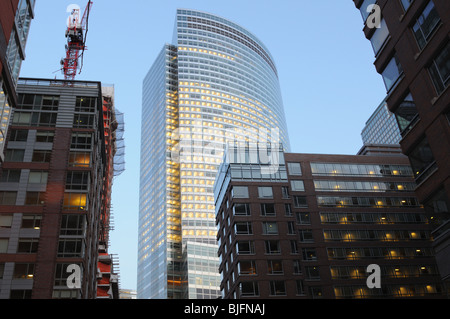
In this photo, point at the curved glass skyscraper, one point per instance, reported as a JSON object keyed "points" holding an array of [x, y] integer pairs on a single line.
{"points": [[216, 84]]}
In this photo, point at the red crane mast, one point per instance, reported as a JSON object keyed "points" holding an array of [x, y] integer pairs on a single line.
{"points": [[76, 37]]}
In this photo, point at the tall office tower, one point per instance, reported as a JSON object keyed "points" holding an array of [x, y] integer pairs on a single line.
{"points": [[55, 192], [15, 20], [412, 53], [381, 127], [313, 228], [216, 83]]}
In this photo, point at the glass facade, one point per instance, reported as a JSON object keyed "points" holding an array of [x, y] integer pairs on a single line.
{"points": [[217, 84], [381, 127]]}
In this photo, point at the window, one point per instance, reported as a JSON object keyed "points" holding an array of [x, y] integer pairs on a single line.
{"points": [[37, 177], [28, 245], [287, 210], [270, 228], [284, 192], [421, 159], [277, 288], [2, 268], [275, 267], [379, 37], [312, 272], [35, 198], [61, 274], [406, 3], [85, 104], [272, 247], [23, 271], [309, 254], [41, 156], [73, 225], [22, 118], [265, 192], [4, 245], [10, 176], [300, 201], [440, 69], [243, 228], [45, 136], [294, 246], [20, 294], [291, 228], [83, 120], [14, 155], [294, 169], [77, 180], [8, 198], [241, 209], [297, 186], [245, 247], [392, 73], [426, 24], [303, 218], [268, 209], [300, 287], [249, 288], [406, 114], [70, 247], [6, 220], [247, 267], [239, 192], [75, 201], [81, 141], [31, 221], [66, 294], [306, 235], [18, 135], [80, 159], [297, 267]]}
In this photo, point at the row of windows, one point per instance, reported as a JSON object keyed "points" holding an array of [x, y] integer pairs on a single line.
{"points": [[376, 202], [76, 159], [377, 235], [371, 170], [51, 103], [351, 186], [418, 290], [18, 135], [67, 247], [276, 288], [72, 201]]}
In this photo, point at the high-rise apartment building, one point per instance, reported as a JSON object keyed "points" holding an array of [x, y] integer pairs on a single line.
{"points": [[55, 188], [312, 228], [215, 83], [15, 20], [412, 54]]}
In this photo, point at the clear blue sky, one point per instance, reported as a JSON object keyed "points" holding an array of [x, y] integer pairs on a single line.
{"points": [[325, 65]]}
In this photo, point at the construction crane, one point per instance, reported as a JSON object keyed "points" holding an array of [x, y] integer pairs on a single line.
{"points": [[76, 42]]}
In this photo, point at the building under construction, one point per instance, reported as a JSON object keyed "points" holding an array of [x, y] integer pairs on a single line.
{"points": [[62, 148]]}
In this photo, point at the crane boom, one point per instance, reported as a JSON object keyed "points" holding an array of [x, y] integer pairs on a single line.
{"points": [[76, 42]]}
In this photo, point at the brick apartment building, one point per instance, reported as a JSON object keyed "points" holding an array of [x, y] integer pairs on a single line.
{"points": [[412, 54], [55, 190], [311, 228]]}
